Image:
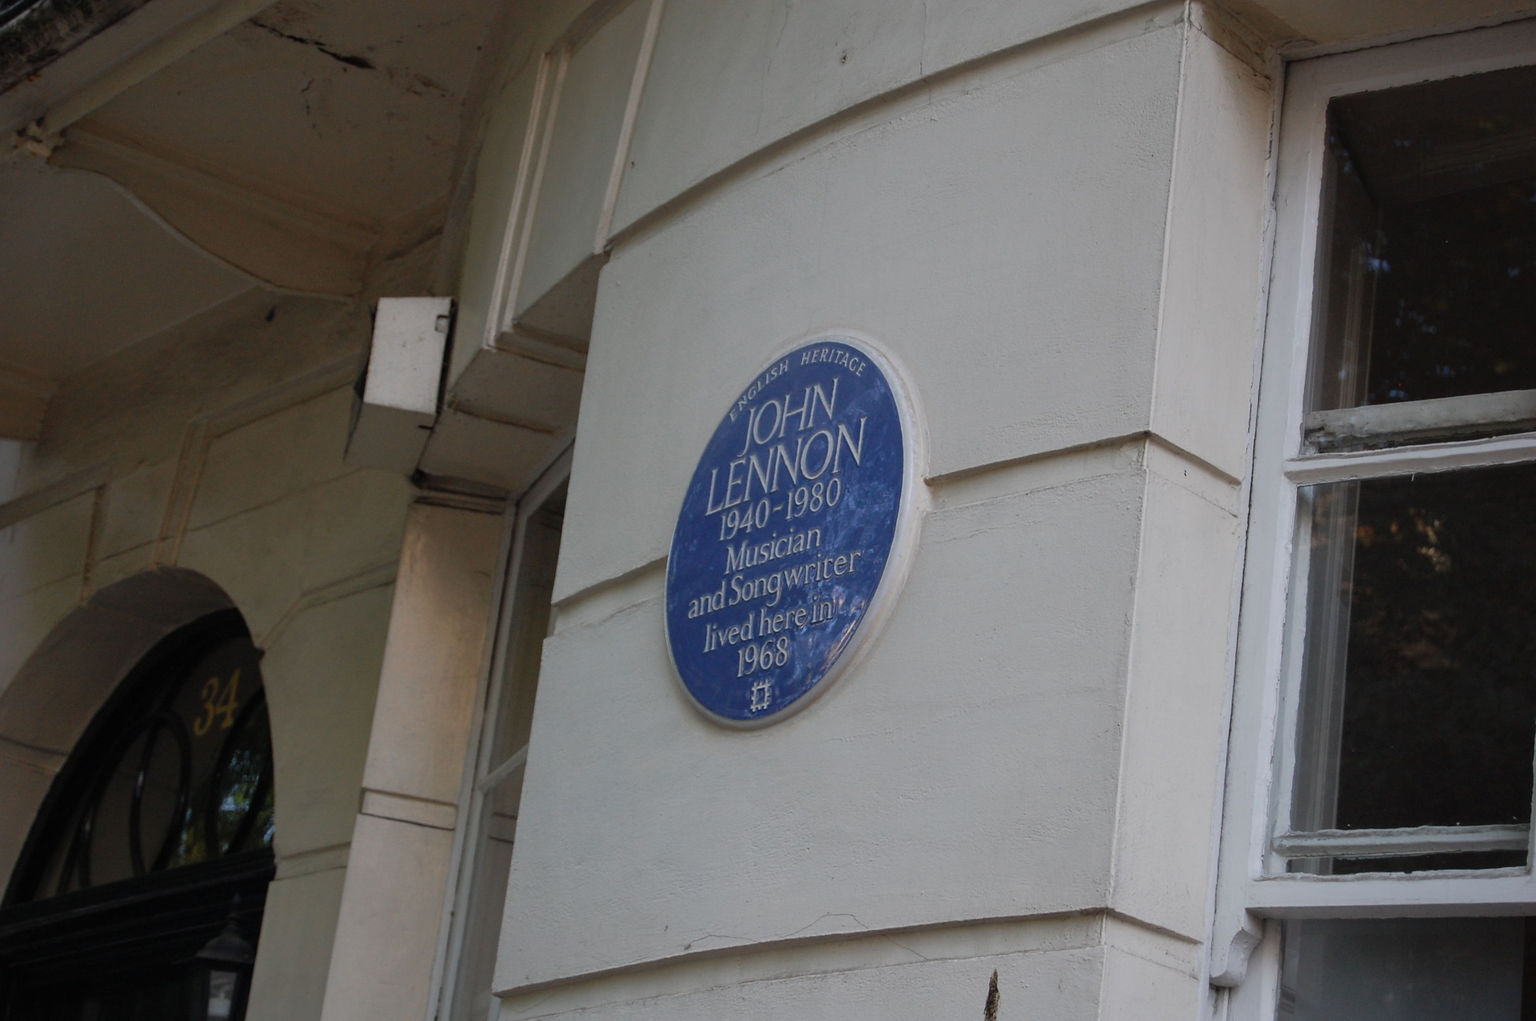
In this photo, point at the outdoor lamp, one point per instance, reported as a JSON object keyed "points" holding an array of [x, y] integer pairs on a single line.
{"points": [[221, 975]]}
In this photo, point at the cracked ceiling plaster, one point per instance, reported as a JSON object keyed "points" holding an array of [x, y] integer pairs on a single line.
{"points": [[290, 151]]}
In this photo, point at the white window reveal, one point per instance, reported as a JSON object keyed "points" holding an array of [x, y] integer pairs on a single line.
{"points": [[494, 779], [1378, 814]]}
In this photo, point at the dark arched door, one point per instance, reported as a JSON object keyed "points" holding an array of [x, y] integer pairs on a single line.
{"points": [[140, 889]]}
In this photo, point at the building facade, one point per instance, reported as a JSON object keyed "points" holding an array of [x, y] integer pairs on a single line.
{"points": [[1193, 685]]}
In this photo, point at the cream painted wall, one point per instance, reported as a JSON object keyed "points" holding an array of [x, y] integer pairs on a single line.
{"points": [[216, 448], [729, 80], [1058, 235], [925, 226]]}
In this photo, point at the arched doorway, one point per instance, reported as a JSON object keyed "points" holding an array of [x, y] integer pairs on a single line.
{"points": [[140, 888]]}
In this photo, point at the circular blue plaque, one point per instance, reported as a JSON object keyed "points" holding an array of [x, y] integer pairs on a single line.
{"points": [[786, 532]]}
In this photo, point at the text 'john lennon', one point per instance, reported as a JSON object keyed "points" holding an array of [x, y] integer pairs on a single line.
{"points": [[786, 443]]}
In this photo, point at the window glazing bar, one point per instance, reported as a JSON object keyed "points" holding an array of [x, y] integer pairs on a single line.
{"points": [[1399, 842], [1444, 418], [1432, 457], [513, 763]]}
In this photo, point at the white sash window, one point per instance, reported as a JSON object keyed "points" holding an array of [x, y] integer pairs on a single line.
{"points": [[1378, 812]]}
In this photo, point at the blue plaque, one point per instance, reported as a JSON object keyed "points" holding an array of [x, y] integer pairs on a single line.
{"points": [[784, 543]]}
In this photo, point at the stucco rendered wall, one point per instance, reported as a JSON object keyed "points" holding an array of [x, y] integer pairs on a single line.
{"points": [[216, 449], [1052, 218]]}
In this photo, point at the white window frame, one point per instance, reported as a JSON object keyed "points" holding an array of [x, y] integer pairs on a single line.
{"points": [[1253, 890], [480, 774]]}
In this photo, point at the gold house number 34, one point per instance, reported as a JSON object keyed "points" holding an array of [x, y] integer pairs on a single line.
{"points": [[220, 700]]}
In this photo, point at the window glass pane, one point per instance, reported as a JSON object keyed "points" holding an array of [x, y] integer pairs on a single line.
{"points": [[1419, 700], [498, 827], [103, 854], [1404, 969], [1344, 866], [238, 795], [530, 595], [224, 710], [1429, 242]]}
